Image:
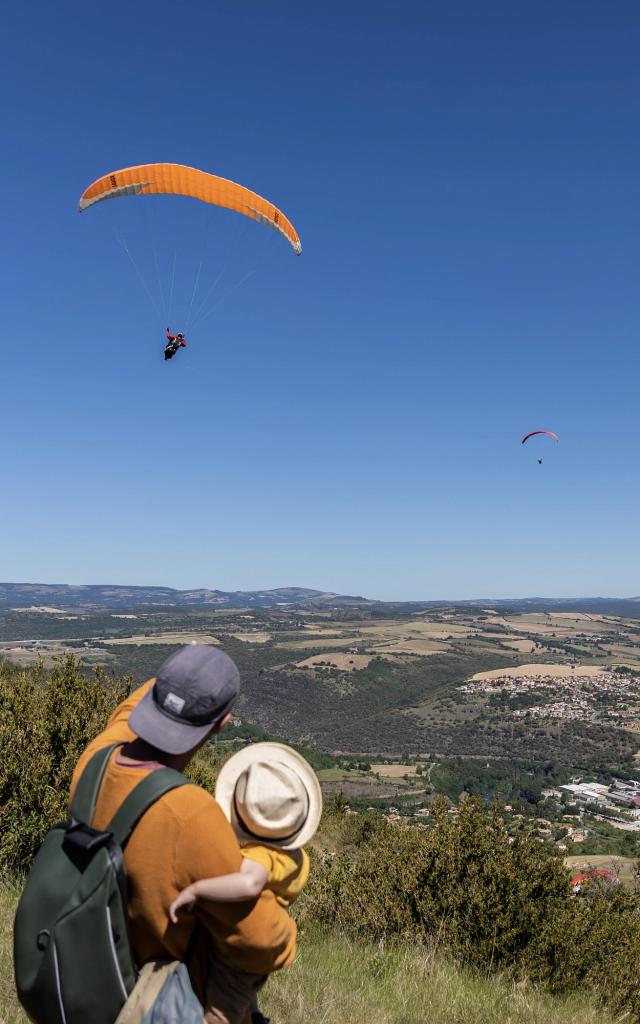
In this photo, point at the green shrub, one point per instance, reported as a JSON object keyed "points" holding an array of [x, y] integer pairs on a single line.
{"points": [[594, 942], [203, 770], [495, 904], [47, 718], [464, 881], [46, 721]]}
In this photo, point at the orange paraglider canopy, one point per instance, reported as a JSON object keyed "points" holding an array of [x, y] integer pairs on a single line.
{"points": [[175, 179]]}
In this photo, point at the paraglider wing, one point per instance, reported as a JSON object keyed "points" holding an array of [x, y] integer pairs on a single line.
{"points": [[534, 432], [175, 179]]}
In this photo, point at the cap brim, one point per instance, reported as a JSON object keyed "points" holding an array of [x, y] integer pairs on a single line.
{"points": [[236, 765], [148, 722]]}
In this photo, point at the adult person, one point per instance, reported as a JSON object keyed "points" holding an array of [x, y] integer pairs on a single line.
{"points": [[174, 342], [185, 836]]}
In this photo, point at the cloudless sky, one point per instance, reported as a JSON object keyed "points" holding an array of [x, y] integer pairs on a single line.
{"points": [[465, 181]]}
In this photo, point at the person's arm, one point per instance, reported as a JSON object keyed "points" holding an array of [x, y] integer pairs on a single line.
{"points": [[245, 884], [258, 937]]}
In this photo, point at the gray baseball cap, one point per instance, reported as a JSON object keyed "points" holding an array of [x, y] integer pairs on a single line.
{"points": [[194, 689]]}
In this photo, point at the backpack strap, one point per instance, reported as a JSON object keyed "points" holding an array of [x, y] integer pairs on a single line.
{"points": [[84, 799], [150, 789]]}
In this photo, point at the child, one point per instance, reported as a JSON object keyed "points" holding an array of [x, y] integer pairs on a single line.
{"points": [[272, 798]]}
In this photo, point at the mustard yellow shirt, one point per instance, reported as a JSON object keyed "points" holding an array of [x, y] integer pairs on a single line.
{"points": [[288, 870]]}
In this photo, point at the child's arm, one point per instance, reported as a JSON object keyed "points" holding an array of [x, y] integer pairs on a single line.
{"points": [[245, 884]]}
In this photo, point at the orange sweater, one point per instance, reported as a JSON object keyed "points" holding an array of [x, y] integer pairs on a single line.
{"points": [[184, 837]]}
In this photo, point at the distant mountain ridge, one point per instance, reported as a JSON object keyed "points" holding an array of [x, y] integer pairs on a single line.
{"points": [[63, 595], [628, 607], [96, 596]]}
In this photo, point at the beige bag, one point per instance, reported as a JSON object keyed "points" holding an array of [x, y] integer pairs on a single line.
{"points": [[147, 988]]}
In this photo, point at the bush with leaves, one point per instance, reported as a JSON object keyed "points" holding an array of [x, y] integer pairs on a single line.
{"points": [[203, 770], [594, 942], [47, 718], [464, 881], [494, 903]]}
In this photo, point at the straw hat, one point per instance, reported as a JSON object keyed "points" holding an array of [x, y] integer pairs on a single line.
{"points": [[271, 795]]}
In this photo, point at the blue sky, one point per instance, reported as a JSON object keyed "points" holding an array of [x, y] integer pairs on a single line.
{"points": [[464, 178]]}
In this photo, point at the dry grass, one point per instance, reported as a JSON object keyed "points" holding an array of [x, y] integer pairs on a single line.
{"points": [[577, 616], [252, 638], [625, 655], [10, 1011], [345, 662], [402, 632], [332, 774], [302, 645], [524, 646], [394, 771], [335, 981], [176, 637], [541, 670], [419, 647], [560, 623], [318, 630]]}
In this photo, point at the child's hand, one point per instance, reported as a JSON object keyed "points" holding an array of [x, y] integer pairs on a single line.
{"points": [[187, 898]]}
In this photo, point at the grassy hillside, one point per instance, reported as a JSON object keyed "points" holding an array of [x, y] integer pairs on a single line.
{"points": [[337, 981], [381, 896], [341, 982]]}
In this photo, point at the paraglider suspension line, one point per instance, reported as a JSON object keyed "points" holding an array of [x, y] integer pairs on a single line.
{"points": [[201, 313], [193, 293], [173, 278], [125, 248], [222, 298]]}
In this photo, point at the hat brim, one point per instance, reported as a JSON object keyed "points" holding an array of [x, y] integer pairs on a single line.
{"points": [[148, 722], [236, 765]]}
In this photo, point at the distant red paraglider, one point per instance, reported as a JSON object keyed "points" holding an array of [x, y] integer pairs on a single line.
{"points": [[534, 432]]}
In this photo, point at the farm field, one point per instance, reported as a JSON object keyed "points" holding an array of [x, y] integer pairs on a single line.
{"points": [[382, 682], [178, 638], [394, 771], [538, 670]]}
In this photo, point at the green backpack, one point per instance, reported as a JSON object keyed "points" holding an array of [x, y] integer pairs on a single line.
{"points": [[73, 959]]}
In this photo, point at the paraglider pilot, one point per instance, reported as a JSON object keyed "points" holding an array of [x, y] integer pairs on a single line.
{"points": [[174, 342]]}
